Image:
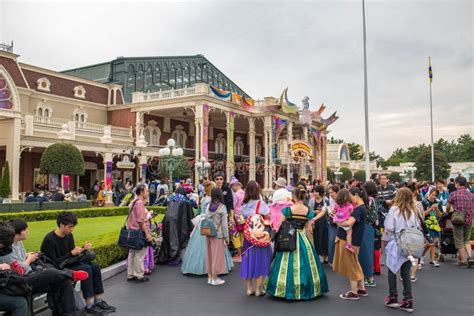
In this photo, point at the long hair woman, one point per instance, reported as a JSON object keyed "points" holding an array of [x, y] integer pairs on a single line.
{"points": [[400, 216], [318, 204], [367, 248], [255, 260], [216, 246], [346, 263], [308, 280]]}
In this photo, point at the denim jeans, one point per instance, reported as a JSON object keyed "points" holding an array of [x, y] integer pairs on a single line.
{"points": [[14, 305], [405, 273]]}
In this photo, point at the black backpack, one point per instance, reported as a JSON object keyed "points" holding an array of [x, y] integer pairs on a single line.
{"points": [[13, 284], [286, 237]]}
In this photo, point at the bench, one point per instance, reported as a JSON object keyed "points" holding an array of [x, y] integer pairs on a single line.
{"points": [[36, 206]]}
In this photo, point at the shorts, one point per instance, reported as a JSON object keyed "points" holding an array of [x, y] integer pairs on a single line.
{"points": [[434, 234], [462, 235], [346, 228]]}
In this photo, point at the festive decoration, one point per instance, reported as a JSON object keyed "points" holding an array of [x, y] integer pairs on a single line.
{"points": [[226, 95], [279, 126], [205, 130], [286, 105]]}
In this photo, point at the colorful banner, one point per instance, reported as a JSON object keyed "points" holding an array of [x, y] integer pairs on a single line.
{"points": [[279, 126], [108, 175], [66, 182], [205, 131], [226, 95]]}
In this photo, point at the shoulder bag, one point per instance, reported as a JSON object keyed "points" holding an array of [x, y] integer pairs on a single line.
{"points": [[131, 238], [286, 237], [458, 218], [13, 284]]}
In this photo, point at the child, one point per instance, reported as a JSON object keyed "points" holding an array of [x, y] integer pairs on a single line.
{"points": [[342, 212]]}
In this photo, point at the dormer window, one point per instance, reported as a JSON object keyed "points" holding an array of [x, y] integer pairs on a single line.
{"points": [[79, 92], [43, 84], [80, 117]]}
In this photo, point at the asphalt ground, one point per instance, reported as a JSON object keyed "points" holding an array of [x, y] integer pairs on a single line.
{"points": [[447, 290]]}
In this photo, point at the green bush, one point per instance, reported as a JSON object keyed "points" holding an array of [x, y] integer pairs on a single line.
{"points": [[107, 250], [359, 175], [81, 213], [5, 181], [346, 174], [62, 159]]}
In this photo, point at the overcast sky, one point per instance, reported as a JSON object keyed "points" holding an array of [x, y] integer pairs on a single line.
{"points": [[313, 47]]}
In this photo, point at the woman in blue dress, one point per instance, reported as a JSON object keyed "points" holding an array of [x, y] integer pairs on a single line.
{"points": [[194, 261], [298, 274]]}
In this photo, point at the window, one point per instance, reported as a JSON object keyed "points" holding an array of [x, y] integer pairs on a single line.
{"points": [[152, 133], [220, 144], [43, 84], [258, 148], [79, 92], [44, 110], [179, 135], [80, 117], [238, 146]]}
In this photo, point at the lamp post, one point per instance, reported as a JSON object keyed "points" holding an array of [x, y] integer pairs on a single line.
{"points": [[171, 155], [338, 173], [409, 171], [203, 166]]}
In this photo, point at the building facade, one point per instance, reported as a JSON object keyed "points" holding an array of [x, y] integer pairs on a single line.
{"points": [[111, 120]]}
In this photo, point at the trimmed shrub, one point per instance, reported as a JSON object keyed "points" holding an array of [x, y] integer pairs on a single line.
{"points": [[359, 175], [62, 159], [107, 250], [81, 213], [5, 181], [346, 174]]}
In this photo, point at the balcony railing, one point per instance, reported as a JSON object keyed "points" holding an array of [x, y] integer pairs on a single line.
{"points": [[90, 127], [49, 121], [197, 89], [122, 131]]}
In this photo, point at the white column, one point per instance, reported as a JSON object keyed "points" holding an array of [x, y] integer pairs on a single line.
{"points": [[252, 165], [108, 160], [13, 158], [143, 167], [289, 137], [304, 161], [197, 147], [268, 154], [139, 124]]}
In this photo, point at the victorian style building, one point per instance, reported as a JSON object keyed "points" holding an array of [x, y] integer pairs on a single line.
{"points": [[128, 108]]}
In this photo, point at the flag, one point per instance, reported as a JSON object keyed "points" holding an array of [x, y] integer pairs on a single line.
{"points": [[430, 71]]}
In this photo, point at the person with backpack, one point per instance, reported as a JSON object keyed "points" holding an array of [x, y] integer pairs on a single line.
{"points": [[405, 243], [256, 259], [296, 255], [216, 246]]}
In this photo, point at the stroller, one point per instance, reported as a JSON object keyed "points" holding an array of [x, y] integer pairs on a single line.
{"points": [[156, 232], [447, 246], [161, 200]]}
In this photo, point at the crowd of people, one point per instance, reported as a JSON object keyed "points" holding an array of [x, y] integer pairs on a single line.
{"points": [[282, 242], [352, 227]]}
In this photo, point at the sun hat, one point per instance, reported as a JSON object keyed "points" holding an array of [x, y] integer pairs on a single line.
{"points": [[281, 182]]}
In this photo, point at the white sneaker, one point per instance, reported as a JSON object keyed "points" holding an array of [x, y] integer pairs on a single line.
{"points": [[419, 266], [422, 261], [209, 280], [217, 282]]}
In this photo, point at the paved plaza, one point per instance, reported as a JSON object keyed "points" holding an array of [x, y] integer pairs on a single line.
{"points": [[447, 290]]}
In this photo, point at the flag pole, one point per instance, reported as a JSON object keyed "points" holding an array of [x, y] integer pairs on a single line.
{"points": [[366, 101], [431, 118]]}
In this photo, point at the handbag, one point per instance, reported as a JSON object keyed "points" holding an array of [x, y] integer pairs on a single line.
{"points": [[458, 218], [13, 284], [208, 228], [286, 237], [84, 257], [256, 232], [131, 238]]}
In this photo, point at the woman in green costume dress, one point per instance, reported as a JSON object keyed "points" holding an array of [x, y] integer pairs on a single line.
{"points": [[298, 274]]}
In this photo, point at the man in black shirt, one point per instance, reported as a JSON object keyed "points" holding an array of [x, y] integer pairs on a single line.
{"points": [[451, 186], [226, 191], [59, 245], [385, 194]]}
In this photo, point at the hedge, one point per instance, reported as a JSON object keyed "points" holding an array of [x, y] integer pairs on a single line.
{"points": [[81, 213], [107, 250]]}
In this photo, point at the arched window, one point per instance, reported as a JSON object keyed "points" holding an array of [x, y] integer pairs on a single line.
{"points": [[79, 92], [140, 79], [149, 78], [258, 148], [179, 135], [43, 84], [152, 133], [80, 116], [238, 146], [131, 78], [44, 110], [220, 144]]}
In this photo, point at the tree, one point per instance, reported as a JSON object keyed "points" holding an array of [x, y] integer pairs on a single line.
{"points": [[359, 175], [354, 151], [464, 151], [423, 165], [63, 159], [330, 175], [5, 184], [182, 169], [346, 174], [395, 177]]}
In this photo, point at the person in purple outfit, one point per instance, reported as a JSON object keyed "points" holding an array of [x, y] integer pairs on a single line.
{"points": [[255, 260]]}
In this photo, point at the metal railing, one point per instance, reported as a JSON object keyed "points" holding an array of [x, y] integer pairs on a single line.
{"points": [[7, 48]]}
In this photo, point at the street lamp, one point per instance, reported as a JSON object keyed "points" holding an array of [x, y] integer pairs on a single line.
{"points": [[409, 170], [338, 173], [203, 167], [171, 156]]}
